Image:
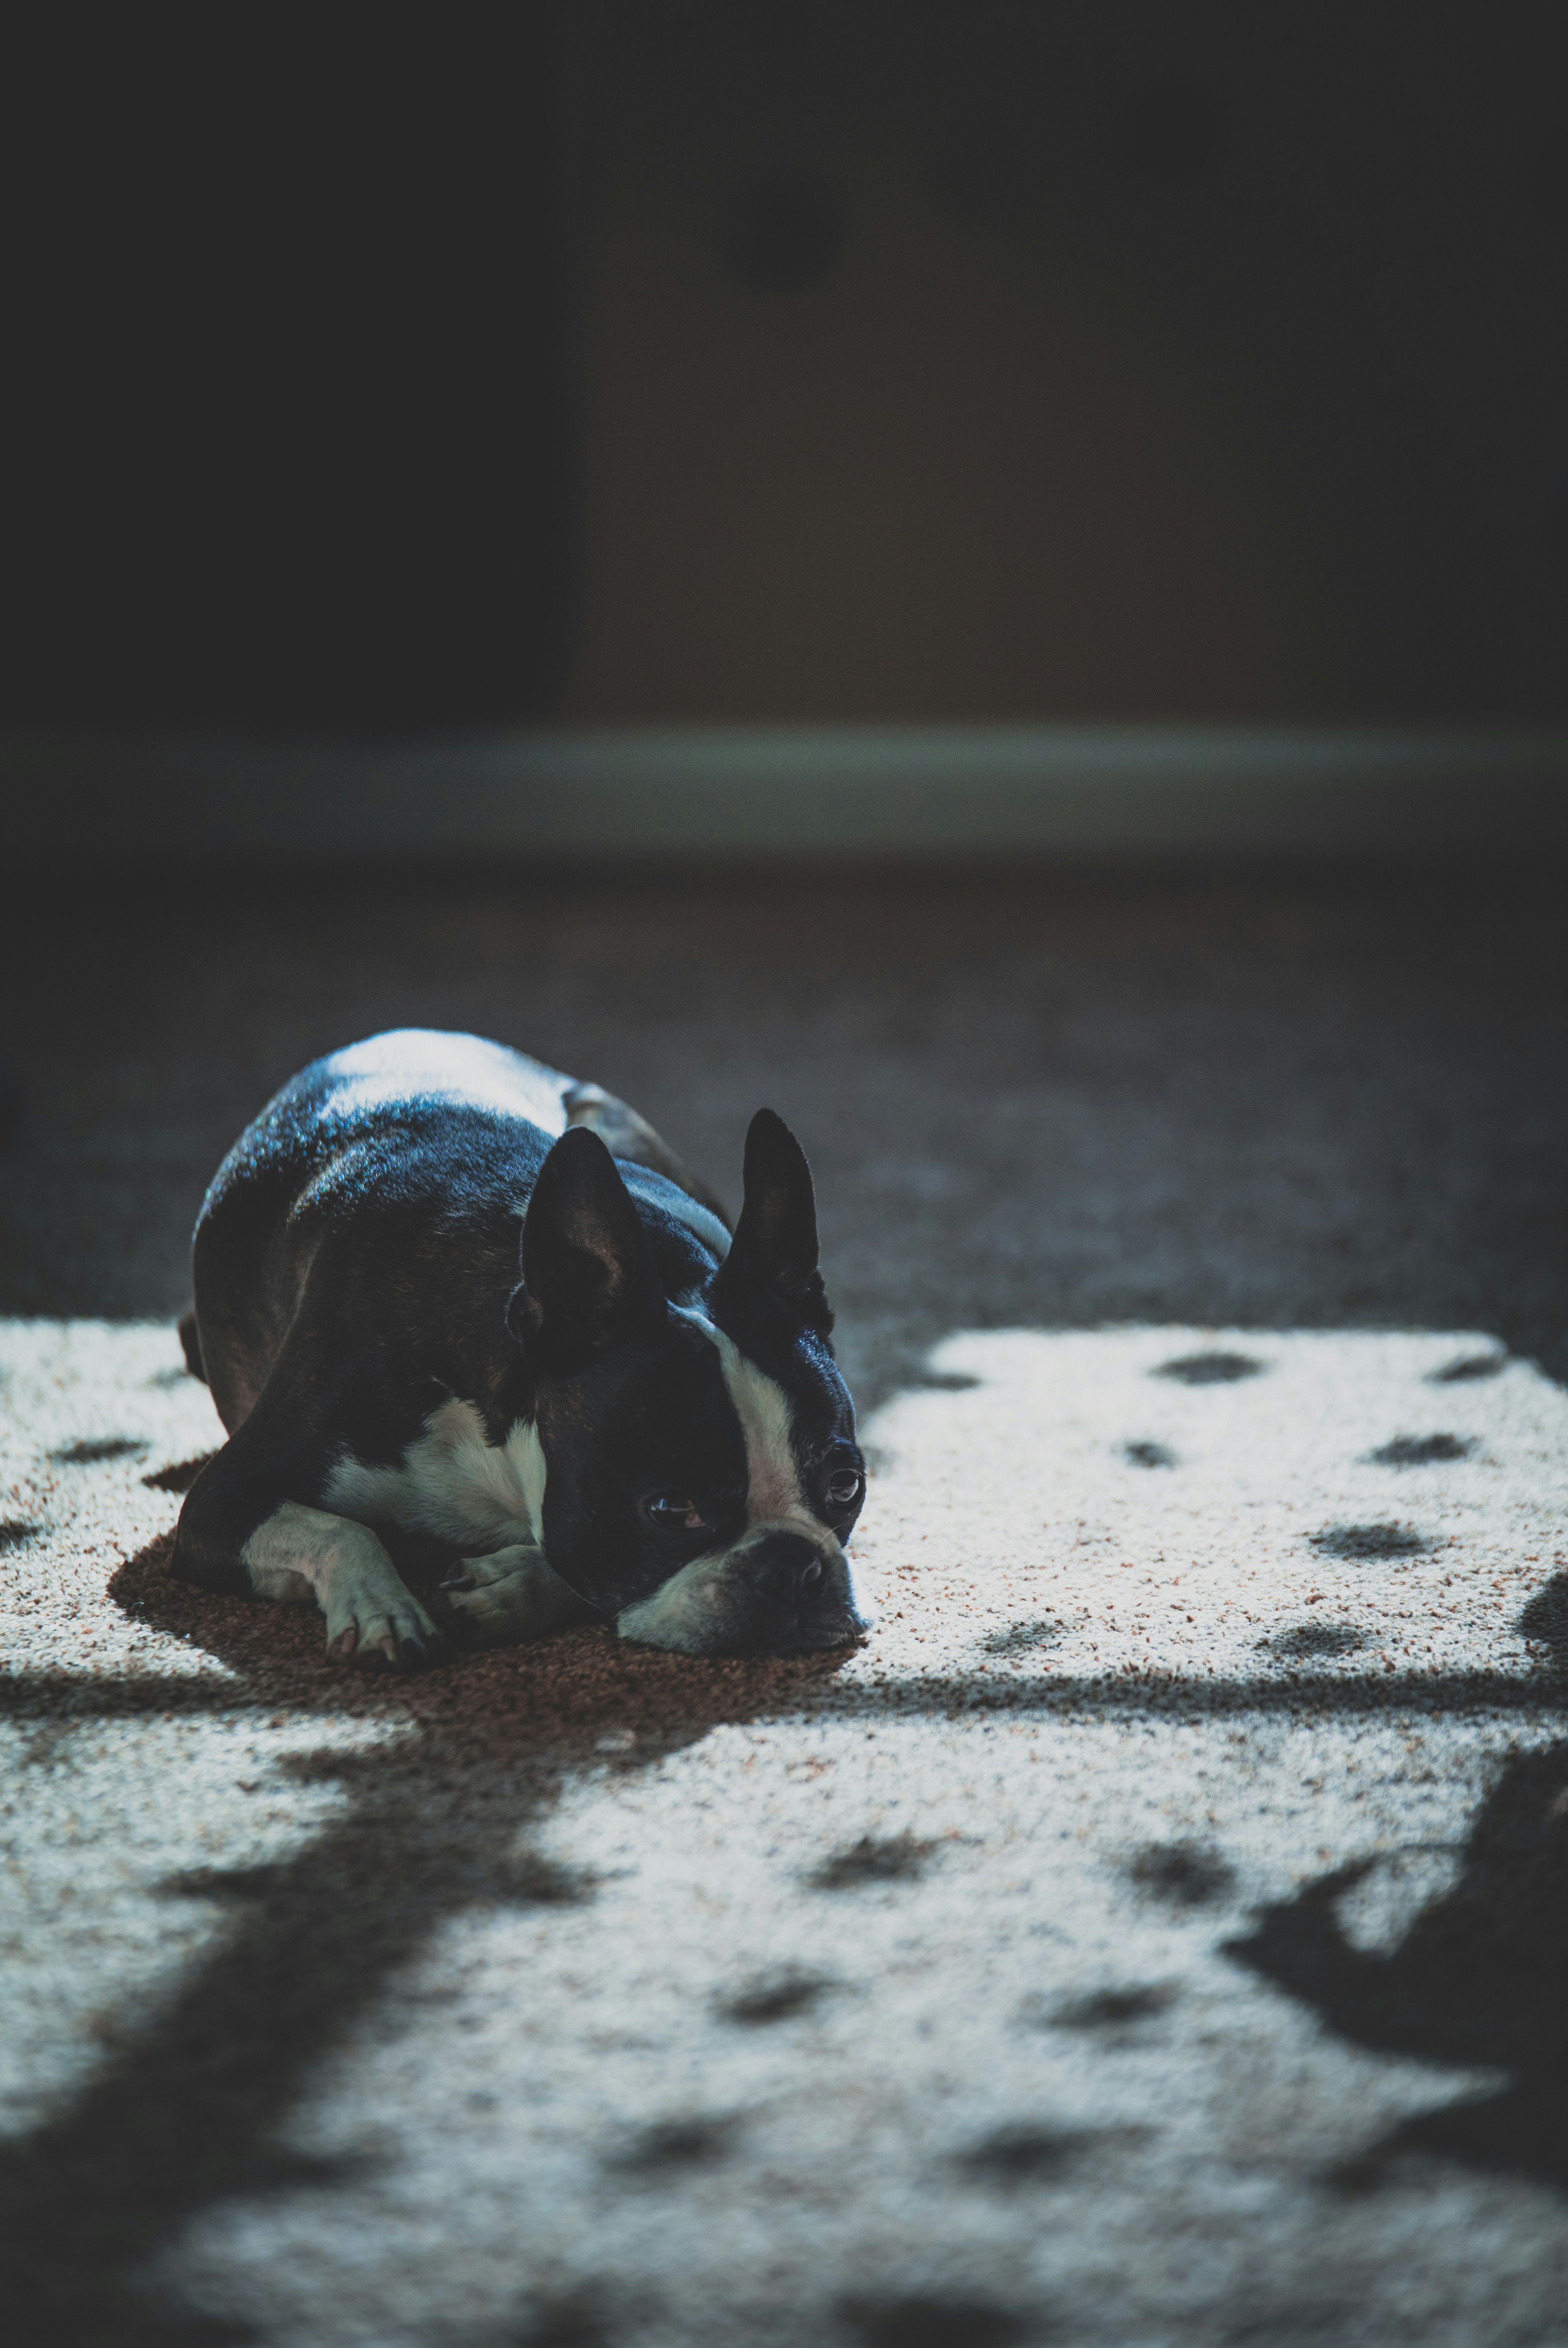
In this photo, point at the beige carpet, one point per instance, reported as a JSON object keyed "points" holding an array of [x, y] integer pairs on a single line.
{"points": [[1155, 1934]]}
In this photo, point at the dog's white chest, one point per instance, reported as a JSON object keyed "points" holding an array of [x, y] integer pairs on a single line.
{"points": [[452, 1483]]}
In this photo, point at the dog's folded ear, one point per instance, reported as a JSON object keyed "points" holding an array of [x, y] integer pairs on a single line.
{"points": [[772, 1258], [590, 1277]]}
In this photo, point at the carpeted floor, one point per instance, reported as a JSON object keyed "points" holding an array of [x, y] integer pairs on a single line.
{"points": [[1154, 1934]]}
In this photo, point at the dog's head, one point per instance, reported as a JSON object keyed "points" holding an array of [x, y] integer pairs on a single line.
{"points": [[702, 1472]]}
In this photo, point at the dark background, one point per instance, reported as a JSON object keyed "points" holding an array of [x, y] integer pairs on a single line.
{"points": [[383, 379], [405, 376], [295, 445]]}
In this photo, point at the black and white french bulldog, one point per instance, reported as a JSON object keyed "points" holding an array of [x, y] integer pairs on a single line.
{"points": [[440, 1287]]}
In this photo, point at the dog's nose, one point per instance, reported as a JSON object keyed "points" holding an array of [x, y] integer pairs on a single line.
{"points": [[783, 1566]]}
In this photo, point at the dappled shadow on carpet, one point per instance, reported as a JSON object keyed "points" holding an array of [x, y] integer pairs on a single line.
{"points": [[1477, 1981], [438, 1821], [187, 2114]]}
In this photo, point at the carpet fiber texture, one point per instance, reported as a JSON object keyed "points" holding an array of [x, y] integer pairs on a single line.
{"points": [[1154, 1933], [1154, 1937]]}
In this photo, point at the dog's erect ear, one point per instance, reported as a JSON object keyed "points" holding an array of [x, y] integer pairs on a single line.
{"points": [[588, 1272], [772, 1258]]}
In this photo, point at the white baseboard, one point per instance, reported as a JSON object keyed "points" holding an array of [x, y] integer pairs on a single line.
{"points": [[680, 793]]}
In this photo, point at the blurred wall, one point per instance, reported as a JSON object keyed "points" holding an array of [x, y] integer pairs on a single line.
{"points": [[1089, 359], [292, 439], [702, 359]]}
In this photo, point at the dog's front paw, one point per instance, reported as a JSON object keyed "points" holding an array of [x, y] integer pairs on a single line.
{"points": [[380, 1631], [511, 1598], [480, 1572]]}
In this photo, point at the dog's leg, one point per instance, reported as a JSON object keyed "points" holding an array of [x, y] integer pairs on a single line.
{"points": [[512, 1598], [239, 1536], [373, 1617]]}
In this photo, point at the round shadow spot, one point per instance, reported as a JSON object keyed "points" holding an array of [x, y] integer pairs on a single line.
{"points": [[1314, 1638], [1369, 1542], [1423, 1450], [775, 2000], [1020, 1637], [1176, 132], [1115, 2009], [91, 1453], [1546, 1618], [1021, 2155], [1187, 1874], [1468, 1366], [1148, 1455], [568, 2322], [677, 2144], [783, 232], [1209, 1369], [919, 2322], [896, 1860]]}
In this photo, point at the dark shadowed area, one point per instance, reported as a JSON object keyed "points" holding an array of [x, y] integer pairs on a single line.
{"points": [[1289, 1099]]}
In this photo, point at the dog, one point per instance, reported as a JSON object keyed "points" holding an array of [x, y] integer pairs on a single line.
{"points": [[443, 1290]]}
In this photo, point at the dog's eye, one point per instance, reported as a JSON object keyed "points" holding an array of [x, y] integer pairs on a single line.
{"points": [[673, 1511], [844, 1487]]}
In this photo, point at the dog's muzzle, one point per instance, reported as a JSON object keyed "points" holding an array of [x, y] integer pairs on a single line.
{"points": [[802, 1594], [778, 1590], [785, 1566]]}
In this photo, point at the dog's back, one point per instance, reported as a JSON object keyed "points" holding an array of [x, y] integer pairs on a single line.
{"points": [[442, 1133], [404, 1128]]}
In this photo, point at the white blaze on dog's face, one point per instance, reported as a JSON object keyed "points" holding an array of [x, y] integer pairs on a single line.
{"points": [[785, 1573], [702, 1472]]}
